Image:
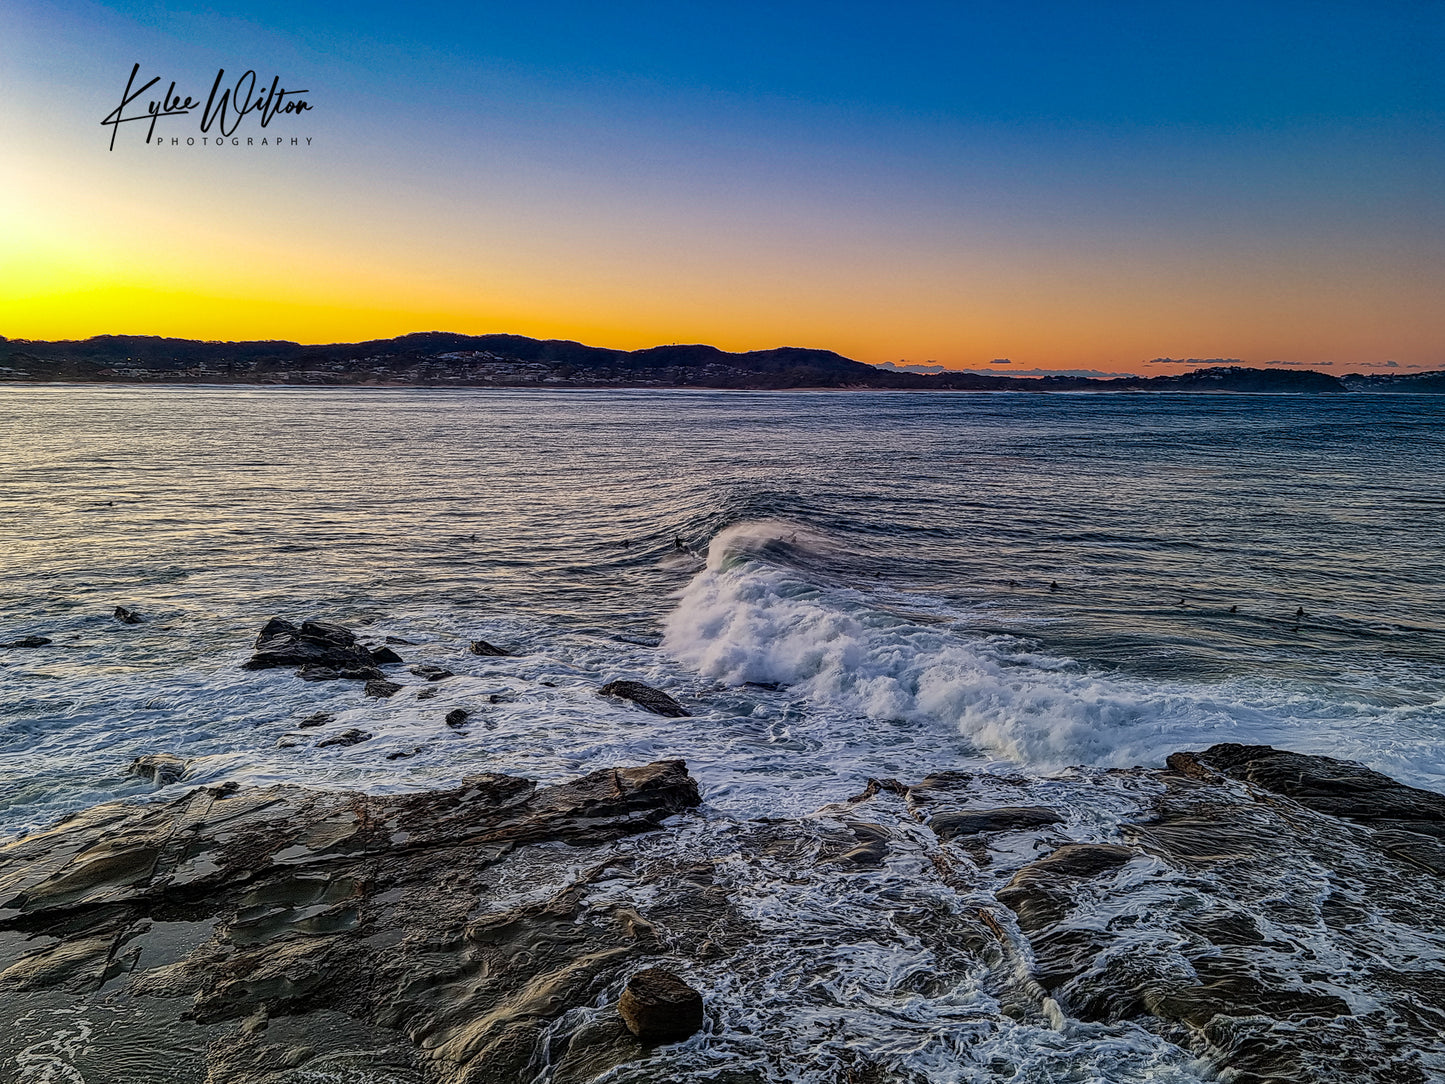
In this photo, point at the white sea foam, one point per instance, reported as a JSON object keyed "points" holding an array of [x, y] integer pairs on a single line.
{"points": [[748, 619]]}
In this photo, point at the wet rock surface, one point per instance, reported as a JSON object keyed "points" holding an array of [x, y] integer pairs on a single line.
{"points": [[481, 647], [27, 641], [503, 931], [162, 769], [349, 736], [659, 1007], [311, 644], [251, 932], [1320, 783], [645, 697]]}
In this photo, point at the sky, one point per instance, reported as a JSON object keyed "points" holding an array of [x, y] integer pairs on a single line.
{"points": [[1023, 187]]}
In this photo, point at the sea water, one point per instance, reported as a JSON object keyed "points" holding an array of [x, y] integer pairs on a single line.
{"points": [[837, 585]]}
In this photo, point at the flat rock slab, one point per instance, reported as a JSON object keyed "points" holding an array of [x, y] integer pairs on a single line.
{"points": [[645, 697], [360, 927], [1337, 787], [1006, 819], [485, 934]]}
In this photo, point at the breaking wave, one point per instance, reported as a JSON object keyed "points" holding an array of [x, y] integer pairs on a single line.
{"points": [[755, 615]]}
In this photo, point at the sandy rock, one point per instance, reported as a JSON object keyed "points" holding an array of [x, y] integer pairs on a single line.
{"points": [[659, 1007]]}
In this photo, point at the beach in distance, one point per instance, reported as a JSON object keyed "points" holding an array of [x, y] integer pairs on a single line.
{"points": [[931, 658]]}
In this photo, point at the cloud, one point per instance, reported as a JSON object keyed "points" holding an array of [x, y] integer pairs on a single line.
{"points": [[1044, 372], [1303, 364], [1001, 361]]}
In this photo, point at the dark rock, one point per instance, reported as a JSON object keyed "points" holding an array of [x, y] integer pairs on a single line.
{"points": [[383, 656], [161, 769], [128, 617], [1239, 957], [1337, 787], [457, 717], [315, 672], [319, 718], [1006, 819], [402, 754], [879, 786], [481, 647], [350, 736], [427, 693], [382, 689], [659, 1007], [313, 643], [645, 697], [28, 641], [397, 640], [432, 673], [1080, 860], [1420, 850]]}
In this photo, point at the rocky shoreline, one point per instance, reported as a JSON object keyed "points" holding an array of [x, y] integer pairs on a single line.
{"points": [[1275, 916], [271, 935]]}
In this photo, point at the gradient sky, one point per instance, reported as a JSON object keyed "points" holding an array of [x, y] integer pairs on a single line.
{"points": [[1065, 185]]}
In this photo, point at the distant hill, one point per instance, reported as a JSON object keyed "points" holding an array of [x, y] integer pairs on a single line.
{"points": [[1432, 382], [441, 359]]}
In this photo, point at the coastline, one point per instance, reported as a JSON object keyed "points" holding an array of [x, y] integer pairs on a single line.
{"points": [[435, 359], [487, 932]]}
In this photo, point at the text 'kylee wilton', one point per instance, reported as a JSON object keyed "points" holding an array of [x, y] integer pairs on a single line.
{"points": [[225, 109]]}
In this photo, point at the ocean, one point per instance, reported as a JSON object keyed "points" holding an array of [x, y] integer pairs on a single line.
{"points": [[838, 585]]}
